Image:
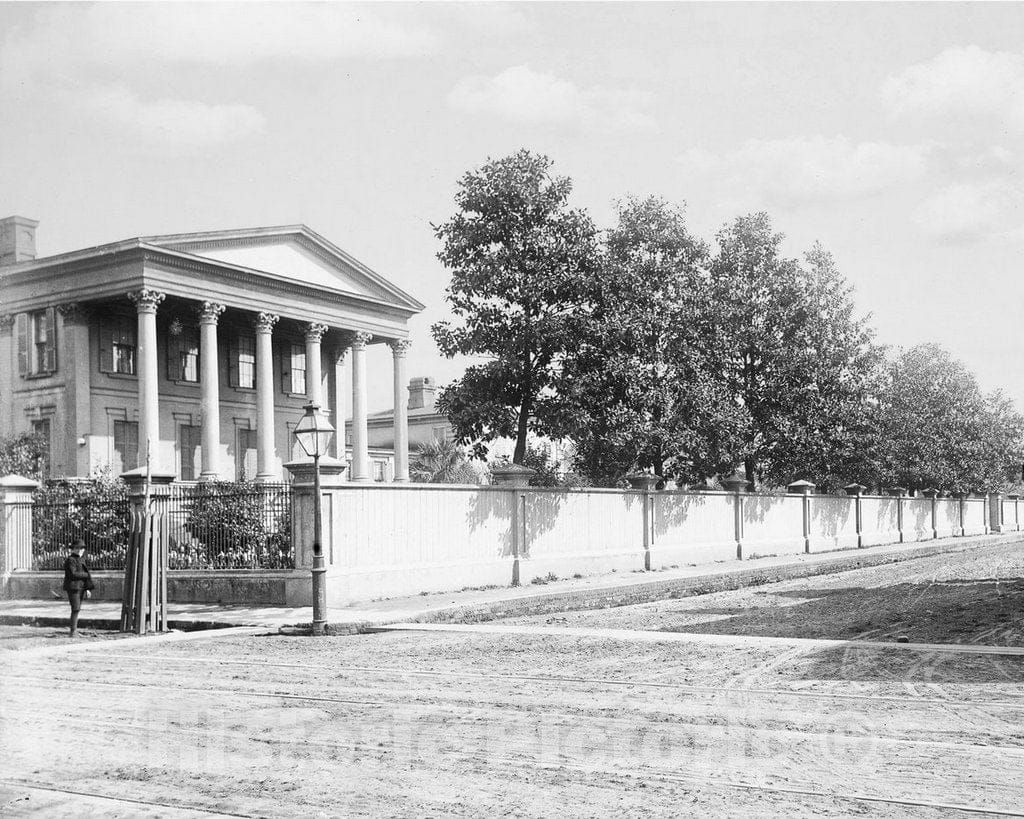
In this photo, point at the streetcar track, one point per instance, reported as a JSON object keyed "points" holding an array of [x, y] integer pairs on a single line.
{"points": [[392, 704], [574, 680]]}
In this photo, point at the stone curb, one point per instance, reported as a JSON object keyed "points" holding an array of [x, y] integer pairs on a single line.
{"points": [[653, 590], [113, 625]]}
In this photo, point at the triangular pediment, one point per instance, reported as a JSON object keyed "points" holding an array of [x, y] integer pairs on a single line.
{"points": [[296, 253]]}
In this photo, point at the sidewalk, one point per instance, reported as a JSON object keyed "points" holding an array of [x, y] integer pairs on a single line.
{"points": [[469, 606]]}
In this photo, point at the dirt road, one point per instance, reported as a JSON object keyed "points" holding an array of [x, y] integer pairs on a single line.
{"points": [[476, 724]]}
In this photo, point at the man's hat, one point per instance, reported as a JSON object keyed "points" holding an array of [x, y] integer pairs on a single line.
{"points": [[78, 544]]}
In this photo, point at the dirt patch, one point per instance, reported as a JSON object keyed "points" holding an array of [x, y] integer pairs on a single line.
{"points": [[19, 638]]}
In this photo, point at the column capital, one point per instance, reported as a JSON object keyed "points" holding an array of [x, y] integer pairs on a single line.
{"points": [[146, 300], [209, 312], [6, 322], [265, 322], [74, 313], [399, 346], [315, 332], [360, 339]]}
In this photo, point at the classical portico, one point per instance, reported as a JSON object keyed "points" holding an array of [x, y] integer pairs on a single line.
{"points": [[204, 345]]}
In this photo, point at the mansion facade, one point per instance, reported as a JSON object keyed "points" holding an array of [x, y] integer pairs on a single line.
{"points": [[200, 349]]}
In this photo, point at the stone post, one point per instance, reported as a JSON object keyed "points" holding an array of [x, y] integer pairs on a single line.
{"points": [[737, 484], [857, 491], [995, 513], [209, 387], [933, 494], [332, 477], [898, 492], [645, 482], [804, 488], [516, 478], [399, 348], [146, 303], [265, 456], [961, 503], [15, 526]]}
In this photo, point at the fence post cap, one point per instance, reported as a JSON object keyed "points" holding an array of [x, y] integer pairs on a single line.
{"points": [[642, 480], [736, 482], [1012, 497], [800, 487], [896, 491], [137, 477], [855, 489], [512, 475], [330, 468], [18, 482], [930, 492]]}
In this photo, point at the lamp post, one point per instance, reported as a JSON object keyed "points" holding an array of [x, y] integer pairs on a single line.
{"points": [[314, 433]]}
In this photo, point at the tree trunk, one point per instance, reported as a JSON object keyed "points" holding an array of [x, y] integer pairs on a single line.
{"points": [[749, 467], [524, 417]]}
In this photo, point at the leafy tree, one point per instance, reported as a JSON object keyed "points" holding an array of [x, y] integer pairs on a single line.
{"points": [[797, 359], [442, 462], [638, 391], [938, 430], [547, 471], [521, 262], [24, 454]]}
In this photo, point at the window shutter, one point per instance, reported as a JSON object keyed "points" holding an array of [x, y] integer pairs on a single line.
{"points": [[21, 328], [286, 369], [106, 348], [233, 353], [51, 340]]}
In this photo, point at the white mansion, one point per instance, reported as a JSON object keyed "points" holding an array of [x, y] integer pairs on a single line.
{"points": [[207, 345]]}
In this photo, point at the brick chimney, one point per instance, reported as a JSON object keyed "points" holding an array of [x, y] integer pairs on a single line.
{"points": [[17, 240], [421, 392]]}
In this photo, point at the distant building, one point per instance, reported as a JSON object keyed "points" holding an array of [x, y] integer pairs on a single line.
{"points": [[206, 344]]}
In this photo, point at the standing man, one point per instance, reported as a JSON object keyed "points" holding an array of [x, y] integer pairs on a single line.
{"points": [[77, 582]]}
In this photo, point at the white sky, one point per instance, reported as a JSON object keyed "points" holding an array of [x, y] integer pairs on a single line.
{"points": [[893, 133]]}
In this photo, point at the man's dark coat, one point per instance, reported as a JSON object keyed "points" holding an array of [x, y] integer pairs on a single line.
{"points": [[76, 574]]}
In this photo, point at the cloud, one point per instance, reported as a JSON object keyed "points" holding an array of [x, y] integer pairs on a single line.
{"points": [[967, 212], [520, 94], [186, 123], [961, 82], [801, 171]]}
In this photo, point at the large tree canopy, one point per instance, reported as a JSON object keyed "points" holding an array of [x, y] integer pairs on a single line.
{"points": [[937, 429], [522, 264], [796, 357], [638, 391]]}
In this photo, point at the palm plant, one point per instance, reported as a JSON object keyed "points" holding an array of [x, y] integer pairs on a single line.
{"points": [[442, 462]]}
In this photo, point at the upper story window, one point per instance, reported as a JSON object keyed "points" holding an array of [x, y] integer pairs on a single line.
{"points": [[242, 362], [37, 343], [183, 353], [295, 371], [117, 345]]}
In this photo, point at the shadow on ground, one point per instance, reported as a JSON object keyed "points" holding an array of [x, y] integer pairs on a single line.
{"points": [[986, 612]]}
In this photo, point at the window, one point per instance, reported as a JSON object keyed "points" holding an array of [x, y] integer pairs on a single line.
{"points": [[41, 427], [378, 471], [295, 371], [183, 353], [126, 446], [245, 461], [242, 362], [37, 347], [117, 346], [189, 442]]}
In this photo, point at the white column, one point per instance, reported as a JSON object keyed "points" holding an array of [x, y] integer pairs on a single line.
{"points": [[146, 302], [8, 367], [399, 347], [314, 376], [209, 386], [265, 463], [338, 400], [360, 450]]}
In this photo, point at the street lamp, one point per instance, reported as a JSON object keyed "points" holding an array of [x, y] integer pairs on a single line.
{"points": [[314, 433]]}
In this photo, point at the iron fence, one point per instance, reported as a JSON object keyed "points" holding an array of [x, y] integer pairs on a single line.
{"points": [[229, 526], [210, 526]]}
